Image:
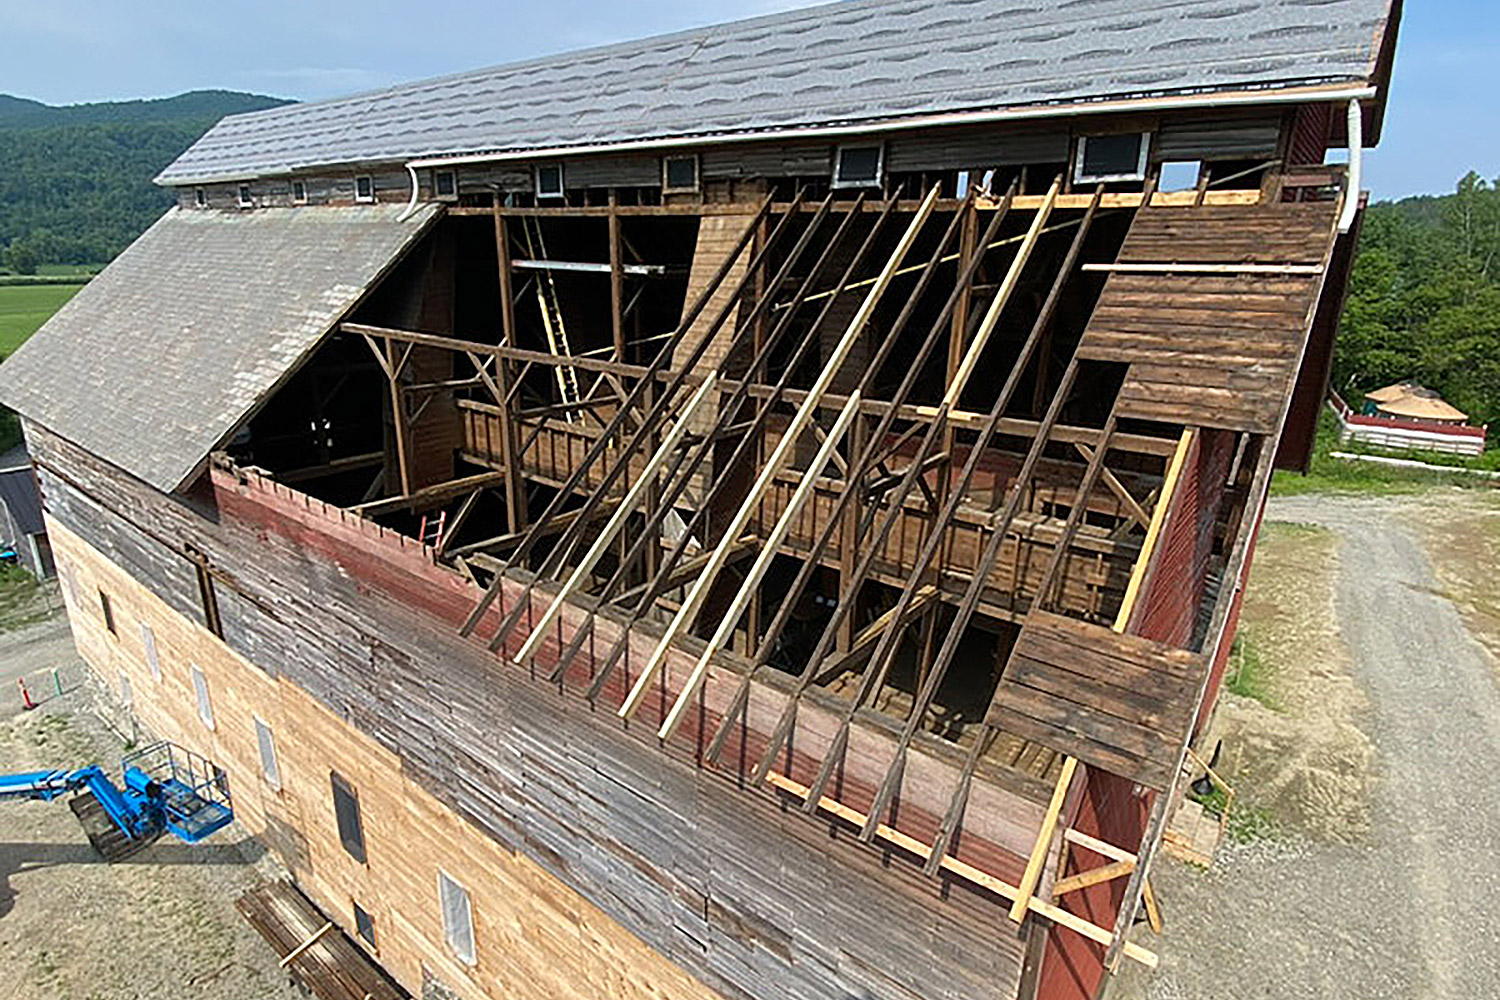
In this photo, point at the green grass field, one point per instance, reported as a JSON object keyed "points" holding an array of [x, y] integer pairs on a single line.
{"points": [[23, 308]]}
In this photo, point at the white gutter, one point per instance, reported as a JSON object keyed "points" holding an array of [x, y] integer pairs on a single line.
{"points": [[1356, 165]]}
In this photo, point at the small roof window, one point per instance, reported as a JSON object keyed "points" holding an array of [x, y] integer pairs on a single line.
{"points": [[859, 167], [364, 188], [246, 201], [200, 197], [549, 180], [1120, 157], [679, 174], [445, 185], [299, 192]]}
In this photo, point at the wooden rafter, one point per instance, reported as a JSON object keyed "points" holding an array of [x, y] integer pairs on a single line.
{"points": [[782, 453]]}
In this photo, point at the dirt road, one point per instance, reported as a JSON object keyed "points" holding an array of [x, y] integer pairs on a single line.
{"points": [[1410, 909]]}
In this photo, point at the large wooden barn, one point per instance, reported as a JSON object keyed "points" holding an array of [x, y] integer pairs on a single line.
{"points": [[757, 512]]}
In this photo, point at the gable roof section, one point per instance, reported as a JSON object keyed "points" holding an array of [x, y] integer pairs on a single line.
{"points": [[861, 61], [159, 358]]}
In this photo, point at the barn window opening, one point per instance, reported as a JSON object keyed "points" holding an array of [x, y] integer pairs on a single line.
{"points": [[1112, 157], [299, 192], [200, 197], [458, 918], [364, 188], [245, 200], [270, 767], [859, 166], [680, 174], [549, 180], [148, 645], [364, 925], [206, 592], [200, 688], [346, 813], [109, 612], [445, 184]]}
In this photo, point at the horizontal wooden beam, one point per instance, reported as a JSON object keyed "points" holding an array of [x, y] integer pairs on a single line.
{"points": [[1121, 199], [1094, 876], [1229, 269], [645, 270], [350, 463], [430, 494]]}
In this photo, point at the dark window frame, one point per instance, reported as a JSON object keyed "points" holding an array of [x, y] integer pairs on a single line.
{"points": [[1081, 175], [364, 924], [562, 181], [437, 185], [668, 187], [368, 182], [346, 814], [246, 198], [200, 197], [109, 613], [299, 192], [840, 181]]}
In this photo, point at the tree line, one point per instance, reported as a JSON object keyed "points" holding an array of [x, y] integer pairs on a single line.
{"points": [[1424, 301], [76, 182]]}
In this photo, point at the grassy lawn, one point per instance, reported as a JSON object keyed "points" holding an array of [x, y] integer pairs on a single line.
{"points": [[23, 308], [1337, 475]]}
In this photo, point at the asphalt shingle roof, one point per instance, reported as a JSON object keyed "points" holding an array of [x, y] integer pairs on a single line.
{"points": [[851, 62], [154, 362]]}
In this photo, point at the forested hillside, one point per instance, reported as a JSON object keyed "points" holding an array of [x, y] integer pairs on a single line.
{"points": [[75, 182], [1425, 299]]}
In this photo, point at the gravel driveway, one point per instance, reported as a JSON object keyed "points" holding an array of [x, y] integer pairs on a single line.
{"points": [[1413, 909]]}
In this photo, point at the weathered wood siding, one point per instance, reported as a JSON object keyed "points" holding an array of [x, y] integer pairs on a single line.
{"points": [[741, 895]]}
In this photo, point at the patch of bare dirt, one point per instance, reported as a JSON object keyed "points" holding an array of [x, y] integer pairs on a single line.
{"points": [[1298, 755], [1461, 532]]}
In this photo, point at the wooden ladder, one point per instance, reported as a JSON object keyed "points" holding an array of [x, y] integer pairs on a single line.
{"points": [[552, 319]]}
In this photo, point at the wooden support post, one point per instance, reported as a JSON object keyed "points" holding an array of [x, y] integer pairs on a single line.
{"points": [[398, 418], [510, 451], [699, 592], [616, 277]]}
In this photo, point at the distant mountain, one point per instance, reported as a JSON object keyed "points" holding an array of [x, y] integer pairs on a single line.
{"points": [[75, 181]]}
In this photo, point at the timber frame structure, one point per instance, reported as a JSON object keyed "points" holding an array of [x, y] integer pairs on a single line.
{"points": [[747, 560]]}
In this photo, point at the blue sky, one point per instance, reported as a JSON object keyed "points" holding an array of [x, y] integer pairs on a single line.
{"points": [[1442, 120]]}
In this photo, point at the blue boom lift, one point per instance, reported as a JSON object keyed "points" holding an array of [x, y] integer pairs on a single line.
{"points": [[166, 789]]}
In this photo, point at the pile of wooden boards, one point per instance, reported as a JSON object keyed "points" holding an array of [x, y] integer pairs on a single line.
{"points": [[312, 949]]}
